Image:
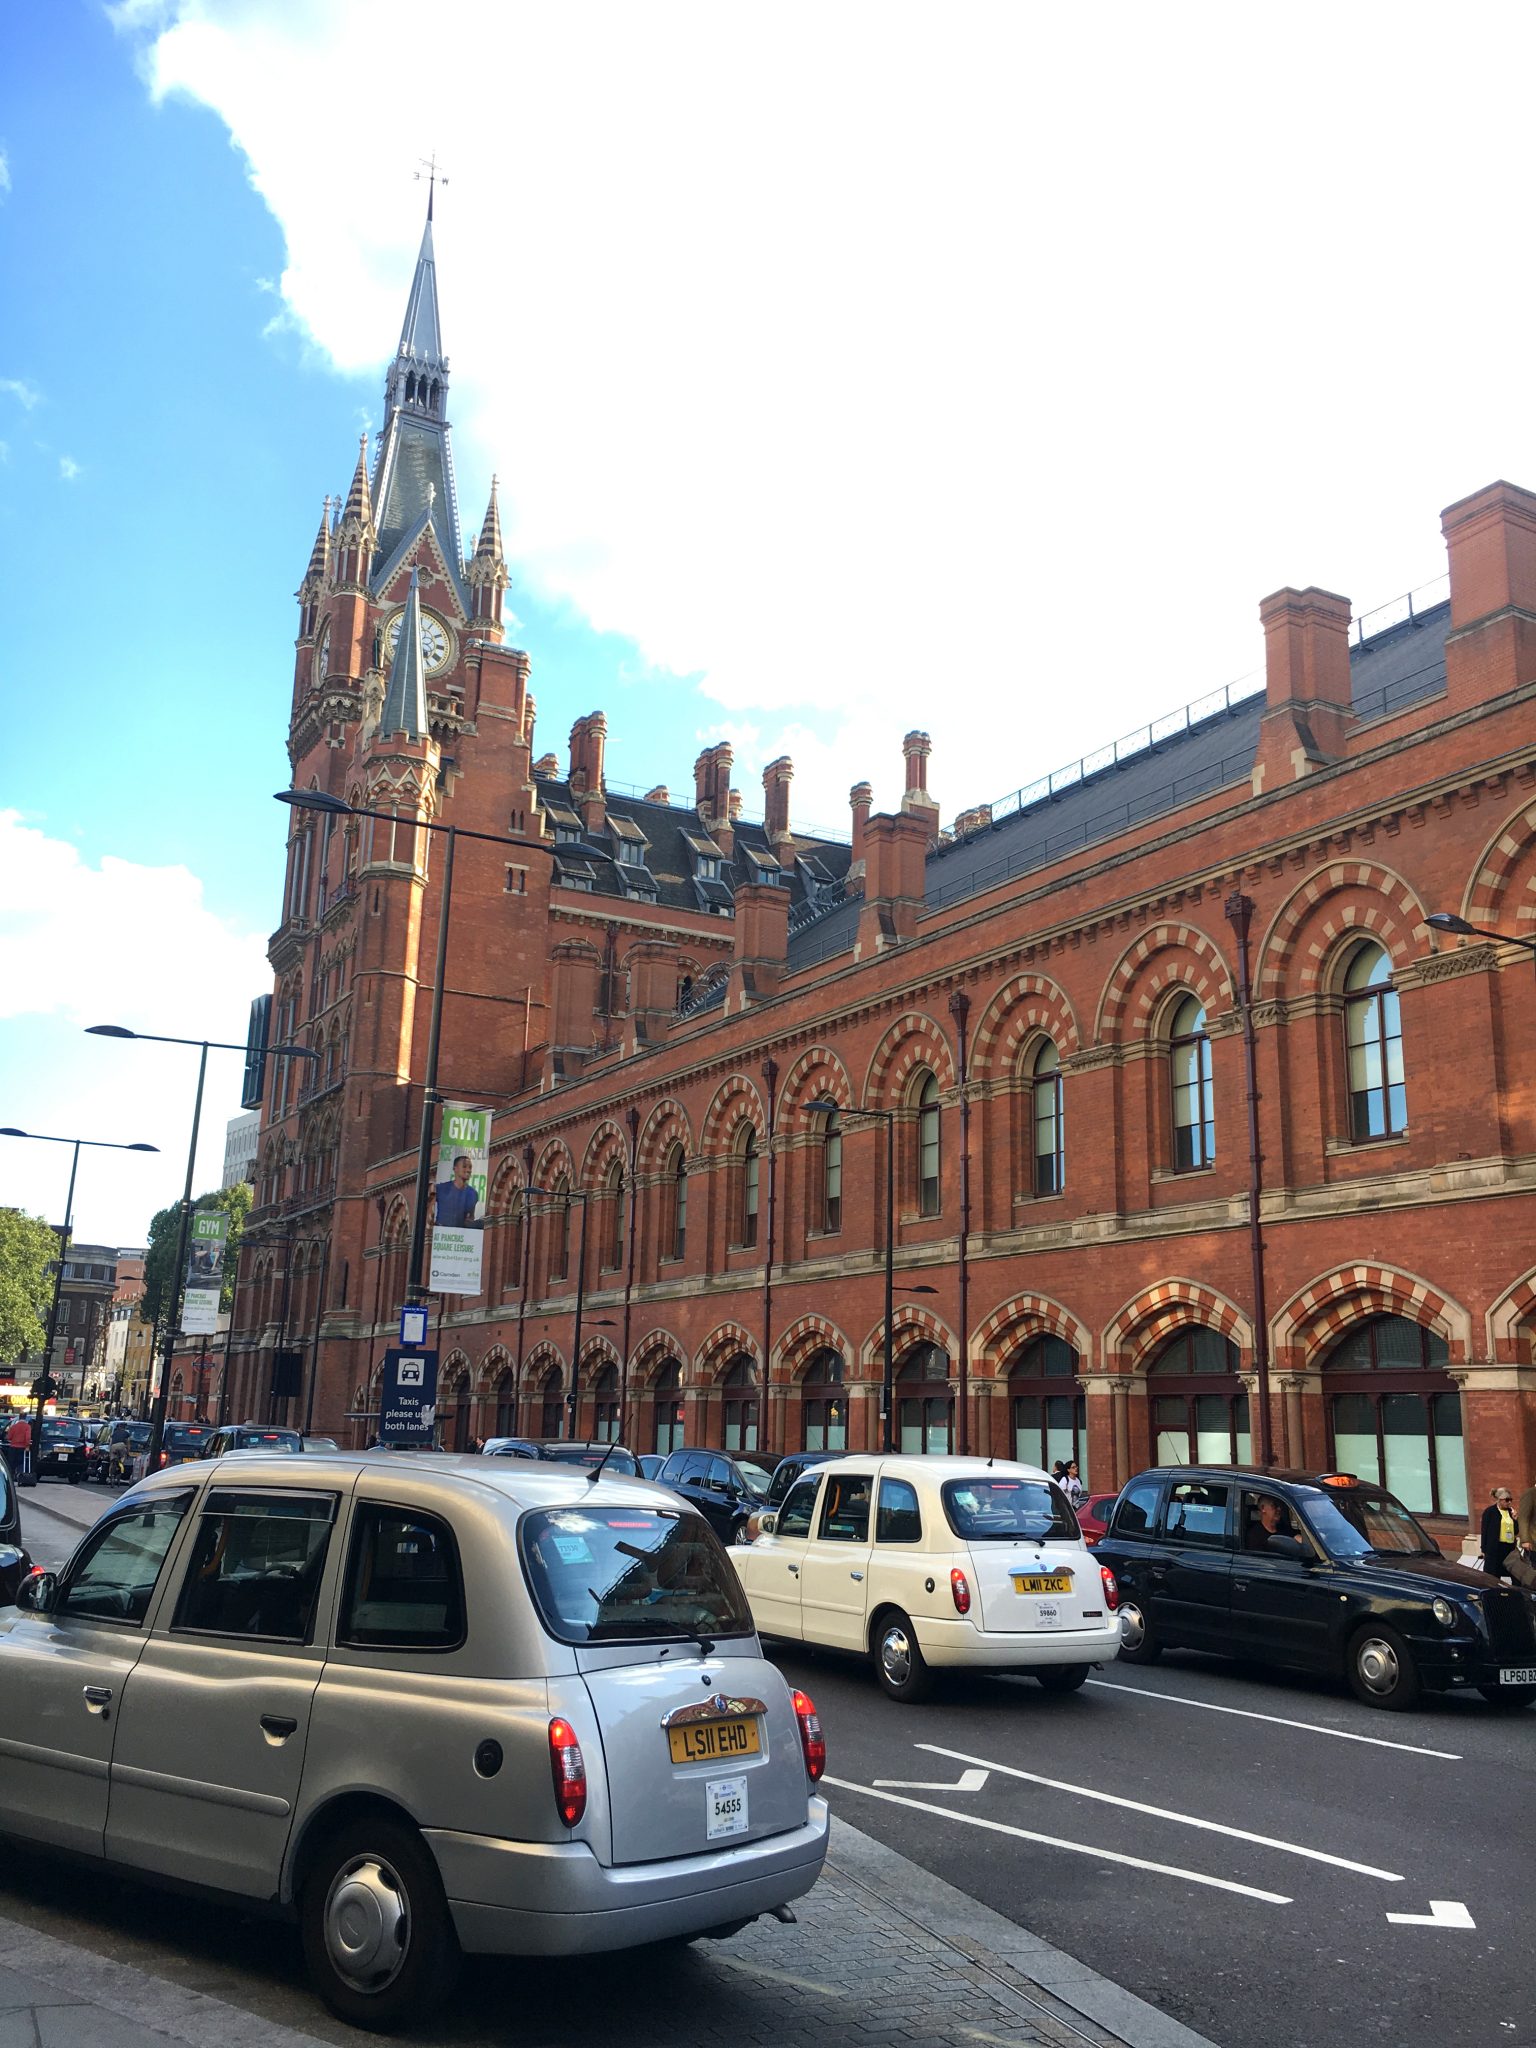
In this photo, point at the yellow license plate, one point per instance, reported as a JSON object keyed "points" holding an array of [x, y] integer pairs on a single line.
{"points": [[1042, 1582], [707, 1742]]}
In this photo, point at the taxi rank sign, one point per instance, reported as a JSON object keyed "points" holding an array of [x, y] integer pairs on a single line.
{"points": [[408, 1399]]}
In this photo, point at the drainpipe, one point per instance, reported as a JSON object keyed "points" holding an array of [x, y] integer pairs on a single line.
{"points": [[770, 1082], [960, 1010], [632, 1118], [314, 1342], [1239, 910], [522, 1292]]}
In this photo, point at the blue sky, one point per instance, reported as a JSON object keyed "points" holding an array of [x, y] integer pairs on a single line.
{"points": [[844, 370]]}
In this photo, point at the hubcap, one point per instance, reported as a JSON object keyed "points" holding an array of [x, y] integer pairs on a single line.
{"points": [[367, 1923], [1376, 1661], [1133, 1629], [896, 1655]]}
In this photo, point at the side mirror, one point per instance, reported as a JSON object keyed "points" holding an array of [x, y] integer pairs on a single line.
{"points": [[767, 1525], [38, 1591]]}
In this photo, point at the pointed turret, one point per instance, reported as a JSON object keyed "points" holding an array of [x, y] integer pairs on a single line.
{"points": [[316, 576], [356, 535], [487, 573], [405, 700], [414, 482]]}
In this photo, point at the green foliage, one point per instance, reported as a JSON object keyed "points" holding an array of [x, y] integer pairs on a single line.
{"points": [[164, 1236], [28, 1248]]}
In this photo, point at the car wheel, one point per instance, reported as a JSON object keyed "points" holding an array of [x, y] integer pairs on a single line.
{"points": [[1138, 1645], [899, 1662], [377, 1935], [1508, 1696], [1381, 1670], [1062, 1677]]}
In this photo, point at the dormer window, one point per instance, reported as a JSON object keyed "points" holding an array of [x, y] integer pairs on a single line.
{"points": [[630, 845], [631, 853], [574, 874]]}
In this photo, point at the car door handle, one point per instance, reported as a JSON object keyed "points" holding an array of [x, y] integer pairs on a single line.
{"points": [[280, 1725], [1239, 1585], [855, 1575], [98, 1698], [795, 1569]]}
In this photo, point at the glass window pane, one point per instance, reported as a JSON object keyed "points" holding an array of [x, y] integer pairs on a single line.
{"points": [[1398, 1343], [1243, 1430], [1450, 1459], [1170, 1428], [911, 1431], [1354, 1436], [1213, 1429], [1060, 1430], [1405, 1433]]}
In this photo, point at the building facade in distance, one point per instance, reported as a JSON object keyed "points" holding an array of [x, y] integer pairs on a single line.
{"points": [[241, 1135], [1203, 1141]]}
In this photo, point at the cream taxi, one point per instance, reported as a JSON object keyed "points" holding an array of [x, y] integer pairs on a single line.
{"points": [[425, 1705], [926, 1562]]}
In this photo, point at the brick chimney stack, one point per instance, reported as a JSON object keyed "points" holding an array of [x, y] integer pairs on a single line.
{"points": [[1307, 716], [1491, 647], [712, 792], [895, 873], [916, 748], [860, 798], [589, 737], [777, 777]]}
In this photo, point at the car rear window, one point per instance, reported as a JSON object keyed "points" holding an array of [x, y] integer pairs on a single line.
{"points": [[983, 1508], [268, 1440], [621, 1575], [591, 1455], [63, 1432], [184, 1438]]}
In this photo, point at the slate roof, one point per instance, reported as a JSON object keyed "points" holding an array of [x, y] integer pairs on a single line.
{"points": [[1392, 669]]}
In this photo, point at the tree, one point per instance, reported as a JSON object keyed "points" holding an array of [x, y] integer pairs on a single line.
{"points": [[165, 1234], [28, 1250]]}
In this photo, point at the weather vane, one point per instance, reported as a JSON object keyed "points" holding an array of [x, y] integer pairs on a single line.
{"points": [[433, 176]]}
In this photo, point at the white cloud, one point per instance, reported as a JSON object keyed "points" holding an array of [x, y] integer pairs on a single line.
{"points": [[118, 943], [977, 374], [69, 469], [26, 395], [5, 171]]}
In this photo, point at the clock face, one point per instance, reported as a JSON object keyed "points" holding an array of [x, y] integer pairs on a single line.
{"points": [[435, 644], [323, 656]]}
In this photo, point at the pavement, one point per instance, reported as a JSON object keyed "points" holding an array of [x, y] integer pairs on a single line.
{"points": [[883, 1951]]}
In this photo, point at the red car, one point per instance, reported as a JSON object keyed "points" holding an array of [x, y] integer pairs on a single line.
{"points": [[1093, 1516]]}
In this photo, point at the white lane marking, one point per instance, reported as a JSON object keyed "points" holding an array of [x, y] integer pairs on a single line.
{"points": [[1186, 1820], [1178, 1699], [970, 1781], [997, 1827], [1442, 1913]]}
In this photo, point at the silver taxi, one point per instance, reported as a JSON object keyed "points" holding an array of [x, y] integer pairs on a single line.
{"points": [[426, 1705]]}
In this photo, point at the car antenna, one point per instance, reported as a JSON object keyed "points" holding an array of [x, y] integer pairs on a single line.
{"points": [[596, 1471]]}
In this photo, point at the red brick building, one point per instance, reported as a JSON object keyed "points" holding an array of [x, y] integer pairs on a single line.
{"points": [[1062, 1011]]}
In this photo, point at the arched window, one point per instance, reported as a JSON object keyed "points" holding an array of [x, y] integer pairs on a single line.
{"points": [[925, 1099], [560, 1229], [824, 1404], [924, 1407], [613, 1216], [552, 1403], [504, 1394], [456, 1418], [1373, 1047], [1199, 1405], [1049, 1414], [1394, 1414], [741, 1406], [667, 1410], [1045, 1101], [747, 1178], [831, 1171], [1194, 1101], [674, 1238], [605, 1405]]}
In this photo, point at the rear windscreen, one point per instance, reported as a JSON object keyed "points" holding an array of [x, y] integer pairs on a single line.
{"points": [[268, 1440], [185, 1439], [617, 1575], [1007, 1508]]}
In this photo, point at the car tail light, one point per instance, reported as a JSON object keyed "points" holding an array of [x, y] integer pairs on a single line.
{"points": [[812, 1741], [960, 1591], [1111, 1589], [569, 1770]]}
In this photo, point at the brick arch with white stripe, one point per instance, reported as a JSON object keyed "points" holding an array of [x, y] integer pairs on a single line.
{"points": [[666, 1126], [1319, 1314], [1495, 887], [1169, 955], [817, 1075], [736, 1102], [1024, 1008], [725, 1342], [1348, 898], [911, 1326], [914, 1040], [1133, 1336], [1016, 1321], [800, 1343]]}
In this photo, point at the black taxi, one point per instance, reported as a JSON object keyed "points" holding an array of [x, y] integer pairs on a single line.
{"points": [[1321, 1571]]}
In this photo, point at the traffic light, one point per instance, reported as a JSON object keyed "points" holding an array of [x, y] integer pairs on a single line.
{"points": [[44, 1387]]}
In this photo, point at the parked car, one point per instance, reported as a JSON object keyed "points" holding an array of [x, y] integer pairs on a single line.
{"points": [[1093, 1517], [726, 1488], [14, 1561], [788, 1470], [321, 1443], [650, 1463], [510, 1447], [565, 1450], [61, 1452], [110, 1452], [500, 1711], [926, 1562], [252, 1436], [1316, 1570], [179, 1442]]}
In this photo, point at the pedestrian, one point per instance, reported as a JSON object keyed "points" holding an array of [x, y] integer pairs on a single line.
{"points": [[18, 1448], [1058, 1470], [1498, 1531], [1071, 1485]]}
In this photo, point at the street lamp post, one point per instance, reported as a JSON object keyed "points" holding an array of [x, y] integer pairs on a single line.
{"points": [[565, 1198], [101, 1144], [335, 806], [1448, 921], [173, 1319]]}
